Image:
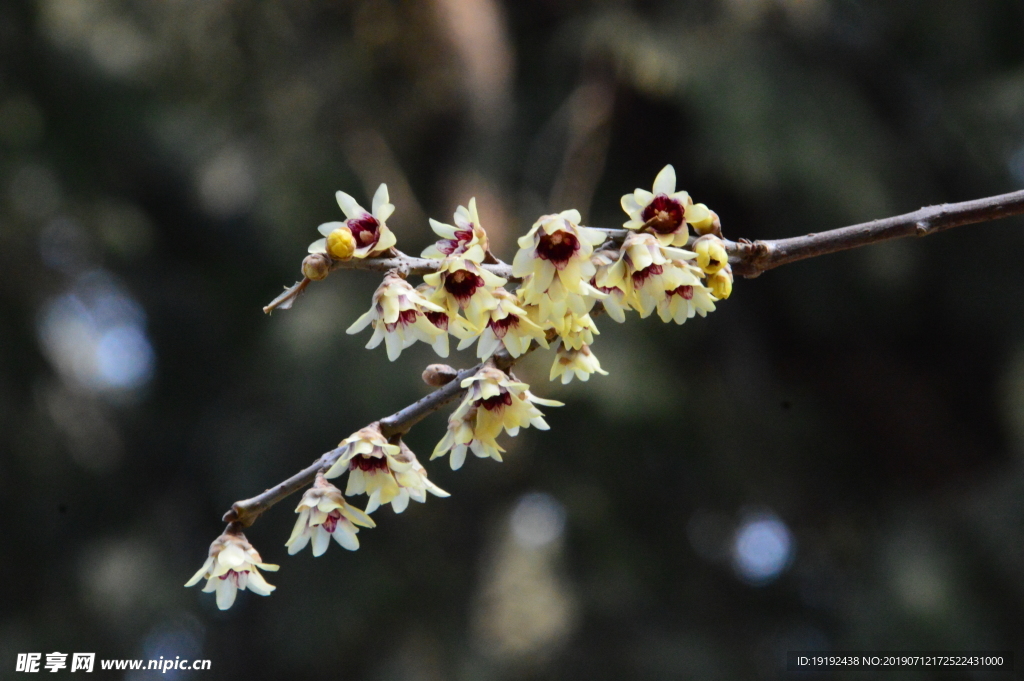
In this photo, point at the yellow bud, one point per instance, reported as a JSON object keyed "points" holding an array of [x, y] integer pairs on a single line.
{"points": [[316, 266], [341, 244], [720, 284], [708, 224], [711, 255]]}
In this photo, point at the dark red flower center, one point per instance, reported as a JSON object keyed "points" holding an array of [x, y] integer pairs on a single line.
{"points": [[233, 575], [456, 245], [557, 248], [498, 402], [330, 523], [438, 319], [684, 291], [405, 318], [365, 230], [604, 289], [370, 464], [463, 284], [643, 275], [501, 326], [663, 215]]}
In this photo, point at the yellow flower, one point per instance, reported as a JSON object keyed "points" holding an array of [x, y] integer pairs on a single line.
{"points": [[684, 301], [493, 401], [231, 567], [449, 321], [664, 211], [721, 283], [581, 363], [615, 302], [645, 270], [324, 513], [554, 260], [466, 238], [386, 473], [507, 324], [398, 317], [371, 233], [462, 284], [575, 330], [711, 253]]}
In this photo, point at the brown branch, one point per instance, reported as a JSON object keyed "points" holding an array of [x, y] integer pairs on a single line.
{"points": [[751, 259], [748, 259], [285, 300], [245, 512]]}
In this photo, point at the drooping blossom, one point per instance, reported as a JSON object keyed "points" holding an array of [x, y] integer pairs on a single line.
{"points": [[231, 567], [507, 324], [493, 402], [580, 363], [615, 302], [398, 317], [645, 270], [324, 513], [387, 473], [685, 301], [461, 284]]}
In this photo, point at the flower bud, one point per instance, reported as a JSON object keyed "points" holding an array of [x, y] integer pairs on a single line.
{"points": [[711, 254], [708, 225], [437, 375], [341, 244], [720, 283], [316, 266]]}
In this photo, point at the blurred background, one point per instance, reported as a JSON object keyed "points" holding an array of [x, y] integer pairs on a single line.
{"points": [[832, 460]]}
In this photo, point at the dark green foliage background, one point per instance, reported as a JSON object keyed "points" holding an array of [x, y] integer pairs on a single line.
{"points": [[873, 400]]}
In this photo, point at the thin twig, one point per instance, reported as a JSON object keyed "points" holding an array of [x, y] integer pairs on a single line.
{"points": [[417, 266], [748, 259], [246, 511], [751, 259]]}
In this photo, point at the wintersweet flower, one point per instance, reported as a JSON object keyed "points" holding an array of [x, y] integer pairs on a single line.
{"points": [[493, 401], [575, 330], [466, 238], [449, 321], [664, 211], [507, 324], [386, 473], [462, 284], [554, 259], [324, 513], [711, 253], [615, 303], [580, 363], [645, 270], [371, 234], [721, 283], [685, 301], [231, 566], [398, 317]]}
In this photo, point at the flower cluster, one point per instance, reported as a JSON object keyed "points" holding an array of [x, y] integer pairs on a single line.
{"points": [[387, 473], [493, 402], [566, 274]]}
